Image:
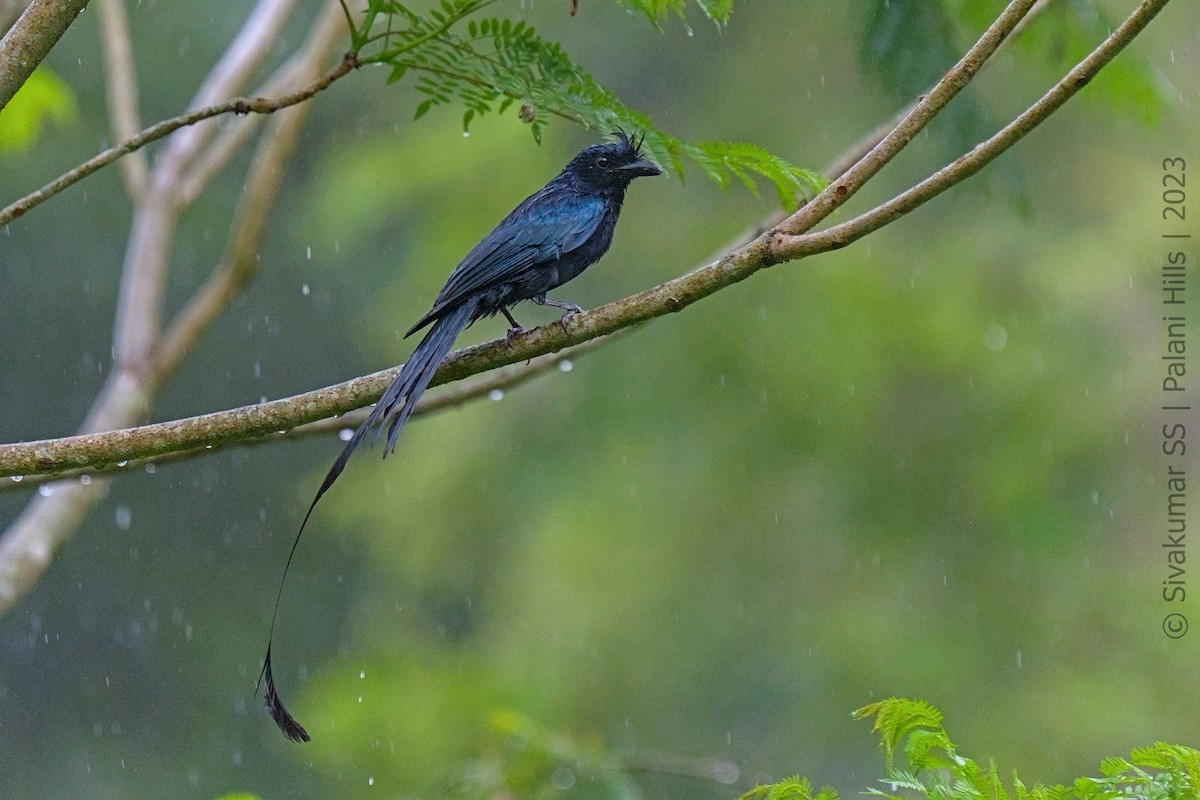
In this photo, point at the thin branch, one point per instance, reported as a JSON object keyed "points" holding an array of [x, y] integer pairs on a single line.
{"points": [[713, 769], [238, 105], [927, 107], [30, 39], [844, 161], [122, 91], [235, 132], [982, 154], [249, 220], [230, 72], [501, 380]]}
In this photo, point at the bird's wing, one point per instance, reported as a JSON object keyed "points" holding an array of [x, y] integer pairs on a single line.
{"points": [[546, 225]]}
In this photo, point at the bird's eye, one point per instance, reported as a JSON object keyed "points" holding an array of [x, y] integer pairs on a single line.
{"points": [[602, 161]]}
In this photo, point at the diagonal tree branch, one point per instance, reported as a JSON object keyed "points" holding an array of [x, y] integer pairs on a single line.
{"points": [[240, 260], [30, 39], [982, 154], [500, 380], [238, 105], [926, 108]]}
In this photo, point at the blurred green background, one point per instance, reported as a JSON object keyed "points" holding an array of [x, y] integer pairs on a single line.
{"points": [[927, 465]]}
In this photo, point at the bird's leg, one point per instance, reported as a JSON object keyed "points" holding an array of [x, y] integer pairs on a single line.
{"points": [[515, 328], [571, 308]]}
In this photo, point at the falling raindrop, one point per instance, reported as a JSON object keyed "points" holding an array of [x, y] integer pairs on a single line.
{"points": [[370, 780], [45, 490], [565, 365], [308, 252], [496, 394], [346, 434], [304, 290], [124, 517]]}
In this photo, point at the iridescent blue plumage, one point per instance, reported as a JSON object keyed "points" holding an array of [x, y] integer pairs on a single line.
{"points": [[551, 237]]}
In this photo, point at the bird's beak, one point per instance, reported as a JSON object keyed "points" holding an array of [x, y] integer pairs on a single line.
{"points": [[643, 166]]}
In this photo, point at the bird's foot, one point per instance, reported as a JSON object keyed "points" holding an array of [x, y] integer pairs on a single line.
{"points": [[512, 333], [566, 318], [571, 308]]}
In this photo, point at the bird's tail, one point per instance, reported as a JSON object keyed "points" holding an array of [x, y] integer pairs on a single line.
{"points": [[398, 403]]}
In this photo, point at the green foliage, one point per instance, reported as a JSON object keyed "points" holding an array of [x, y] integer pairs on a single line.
{"points": [[43, 98], [491, 64], [718, 11], [525, 760], [937, 770], [793, 788]]}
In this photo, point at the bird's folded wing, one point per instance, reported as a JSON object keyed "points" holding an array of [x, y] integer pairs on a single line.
{"points": [[545, 226]]}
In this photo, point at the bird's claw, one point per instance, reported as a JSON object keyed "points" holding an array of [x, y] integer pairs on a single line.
{"points": [[512, 333], [571, 311]]}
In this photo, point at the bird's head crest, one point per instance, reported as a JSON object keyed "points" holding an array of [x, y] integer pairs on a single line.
{"points": [[613, 164]]}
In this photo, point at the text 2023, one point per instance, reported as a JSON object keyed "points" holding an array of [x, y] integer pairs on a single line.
{"points": [[1174, 196]]}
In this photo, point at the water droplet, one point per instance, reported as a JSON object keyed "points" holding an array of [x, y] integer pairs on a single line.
{"points": [[362, 674], [360, 698], [1020, 659], [995, 337], [466, 134], [151, 469], [86, 480], [308, 252], [304, 290], [563, 778], [18, 478], [124, 517], [565, 365], [45, 490], [122, 463], [496, 394], [346, 434], [370, 780]]}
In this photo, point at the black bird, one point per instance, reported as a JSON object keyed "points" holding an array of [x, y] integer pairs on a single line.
{"points": [[552, 236]]}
